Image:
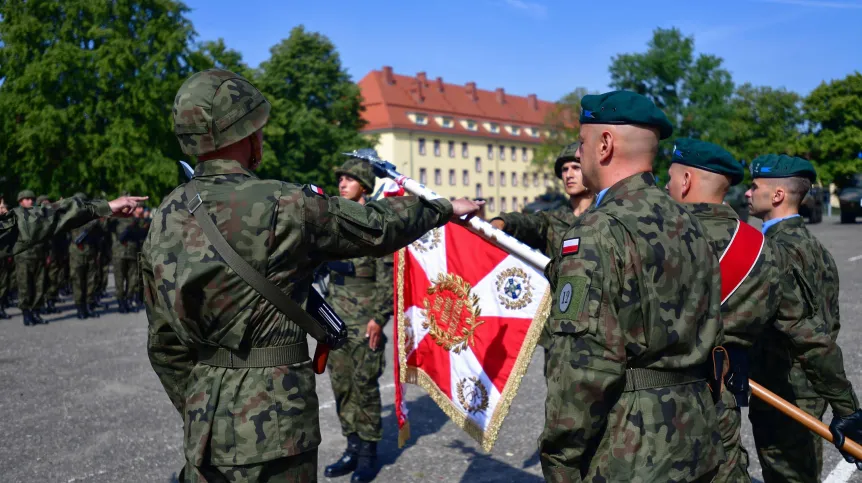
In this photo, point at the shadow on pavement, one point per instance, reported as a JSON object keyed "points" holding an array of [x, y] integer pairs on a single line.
{"points": [[425, 419], [483, 467]]}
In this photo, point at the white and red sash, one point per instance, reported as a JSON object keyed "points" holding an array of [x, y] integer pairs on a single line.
{"points": [[739, 258]]}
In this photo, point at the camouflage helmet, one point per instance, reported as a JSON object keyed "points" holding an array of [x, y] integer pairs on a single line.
{"points": [[42, 198], [216, 108], [360, 171], [26, 194], [569, 153]]}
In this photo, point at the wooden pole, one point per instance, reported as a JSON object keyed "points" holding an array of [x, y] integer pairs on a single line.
{"points": [[802, 417]]}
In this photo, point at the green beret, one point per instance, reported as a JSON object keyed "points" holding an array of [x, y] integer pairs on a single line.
{"points": [[624, 107], [708, 157], [359, 170], [42, 198], [26, 194], [782, 166], [569, 153]]}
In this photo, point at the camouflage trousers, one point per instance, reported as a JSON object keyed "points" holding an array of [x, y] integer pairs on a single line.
{"points": [[126, 277], [301, 468], [6, 269], [30, 273], [56, 278], [788, 451], [102, 275], [355, 370], [84, 272], [735, 467]]}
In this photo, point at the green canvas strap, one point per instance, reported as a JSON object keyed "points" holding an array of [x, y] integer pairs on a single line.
{"points": [[639, 378], [255, 279], [256, 357]]}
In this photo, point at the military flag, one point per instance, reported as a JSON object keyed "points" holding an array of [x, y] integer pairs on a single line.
{"points": [[468, 316]]}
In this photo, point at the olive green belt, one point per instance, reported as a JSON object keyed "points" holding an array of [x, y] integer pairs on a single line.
{"points": [[256, 357], [639, 378]]}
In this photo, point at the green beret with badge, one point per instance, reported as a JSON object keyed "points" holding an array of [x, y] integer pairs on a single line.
{"points": [[708, 157], [569, 153], [624, 107], [782, 166], [26, 194]]}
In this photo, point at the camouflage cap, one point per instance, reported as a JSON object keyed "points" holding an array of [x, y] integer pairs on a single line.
{"points": [[708, 157], [42, 198], [569, 153], [624, 107], [360, 171], [216, 108], [26, 194], [782, 166]]}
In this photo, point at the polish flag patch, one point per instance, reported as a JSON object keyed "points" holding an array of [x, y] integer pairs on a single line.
{"points": [[317, 189], [571, 246]]}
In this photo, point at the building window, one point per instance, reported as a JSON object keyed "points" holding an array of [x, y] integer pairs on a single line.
{"points": [[502, 153], [421, 119], [464, 152], [491, 205], [423, 176], [494, 128], [478, 190], [422, 146], [514, 153], [478, 164], [490, 152], [524, 154], [547, 180], [502, 178], [451, 149], [465, 177], [503, 204], [525, 180], [436, 147], [514, 178], [451, 177], [438, 177], [490, 178], [526, 201], [514, 203], [535, 179], [446, 122], [471, 125]]}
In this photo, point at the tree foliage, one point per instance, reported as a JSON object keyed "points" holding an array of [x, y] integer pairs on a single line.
{"points": [[562, 124]]}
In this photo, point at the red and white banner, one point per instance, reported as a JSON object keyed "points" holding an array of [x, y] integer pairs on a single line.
{"points": [[468, 317]]}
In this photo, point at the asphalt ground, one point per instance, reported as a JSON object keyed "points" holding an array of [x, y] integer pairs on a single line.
{"points": [[80, 403]]}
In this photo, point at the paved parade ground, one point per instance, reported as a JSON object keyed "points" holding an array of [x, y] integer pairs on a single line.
{"points": [[80, 403]]}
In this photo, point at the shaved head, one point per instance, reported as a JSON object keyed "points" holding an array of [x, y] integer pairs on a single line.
{"points": [[687, 184], [613, 152], [776, 197]]}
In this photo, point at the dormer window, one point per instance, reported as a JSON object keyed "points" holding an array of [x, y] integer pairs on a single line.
{"points": [[420, 119], [513, 130], [492, 127], [470, 125], [446, 122], [534, 132]]}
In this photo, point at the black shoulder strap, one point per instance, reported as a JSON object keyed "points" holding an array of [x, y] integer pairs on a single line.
{"points": [[264, 287]]}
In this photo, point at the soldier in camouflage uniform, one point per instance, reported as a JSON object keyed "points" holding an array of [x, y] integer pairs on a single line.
{"points": [[30, 270], [361, 291], [247, 419], [768, 299], [788, 452], [543, 230], [6, 268], [83, 263], [142, 226], [104, 261], [124, 233], [635, 317]]}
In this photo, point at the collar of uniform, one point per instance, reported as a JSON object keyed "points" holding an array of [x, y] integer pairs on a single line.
{"points": [[716, 210], [786, 224], [632, 183], [215, 167]]}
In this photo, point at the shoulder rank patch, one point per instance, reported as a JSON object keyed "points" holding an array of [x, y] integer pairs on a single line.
{"points": [[314, 190], [571, 246]]}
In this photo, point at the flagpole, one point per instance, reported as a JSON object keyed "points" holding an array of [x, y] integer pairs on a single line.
{"points": [[385, 169]]}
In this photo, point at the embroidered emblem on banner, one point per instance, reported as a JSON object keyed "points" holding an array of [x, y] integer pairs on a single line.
{"points": [[472, 394], [513, 288], [451, 313]]}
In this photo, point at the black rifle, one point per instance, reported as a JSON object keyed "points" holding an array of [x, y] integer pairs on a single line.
{"points": [[82, 237]]}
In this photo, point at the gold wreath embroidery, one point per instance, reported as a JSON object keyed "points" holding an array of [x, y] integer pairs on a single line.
{"points": [[473, 401], [428, 241], [409, 337], [524, 298], [450, 310]]}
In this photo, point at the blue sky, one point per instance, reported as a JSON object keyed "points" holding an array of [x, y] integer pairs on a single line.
{"points": [[550, 47]]}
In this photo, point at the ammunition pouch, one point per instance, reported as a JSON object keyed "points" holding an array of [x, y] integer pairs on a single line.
{"points": [[736, 379]]}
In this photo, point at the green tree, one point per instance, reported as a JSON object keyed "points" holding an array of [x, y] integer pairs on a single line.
{"points": [[562, 124], [833, 139], [316, 110], [86, 93], [693, 91], [763, 120], [215, 54]]}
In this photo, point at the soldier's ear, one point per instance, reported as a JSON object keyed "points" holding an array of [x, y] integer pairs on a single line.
{"points": [[779, 195]]}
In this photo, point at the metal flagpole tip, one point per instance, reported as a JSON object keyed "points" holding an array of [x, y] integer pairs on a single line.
{"points": [[187, 169], [368, 154]]}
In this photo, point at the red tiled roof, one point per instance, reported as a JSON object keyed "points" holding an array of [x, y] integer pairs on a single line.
{"points": [[389, 98]]}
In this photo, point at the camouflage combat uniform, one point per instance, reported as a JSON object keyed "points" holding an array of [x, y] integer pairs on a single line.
{"points": [[360, 290], [768, 305], [6, 269], [83, 263], [104, 259], [242, 421], [787, 451], [124, 233], [22, 230], [30, 273], [635, 317], [58, 261], [543, 230]]}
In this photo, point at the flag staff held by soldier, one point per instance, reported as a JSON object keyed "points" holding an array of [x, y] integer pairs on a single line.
{"points": [[760, 297], [220, 345]]}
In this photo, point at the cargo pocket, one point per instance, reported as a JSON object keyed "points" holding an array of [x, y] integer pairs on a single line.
{"points": [[202, 397]]}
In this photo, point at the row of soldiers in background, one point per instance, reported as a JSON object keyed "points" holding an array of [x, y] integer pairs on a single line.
{"points": [[75, 263]]}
